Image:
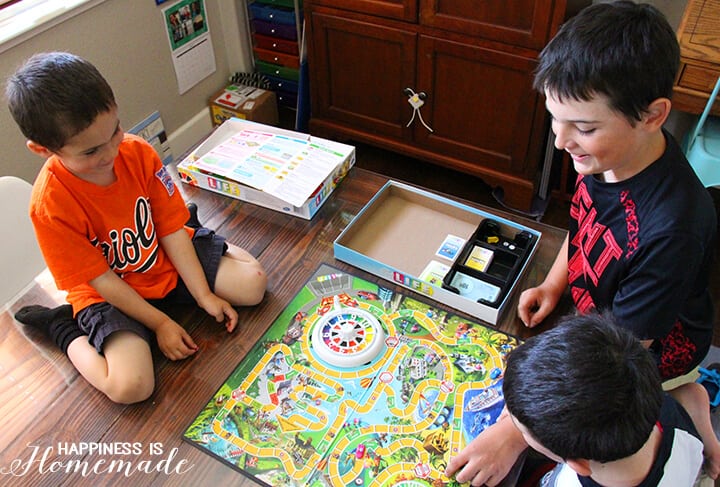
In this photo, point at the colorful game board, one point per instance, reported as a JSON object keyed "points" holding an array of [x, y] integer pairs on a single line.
{"points": [[356, 385]]}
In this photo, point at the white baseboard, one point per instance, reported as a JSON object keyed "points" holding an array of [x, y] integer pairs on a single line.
{"points": [[190, 133]]}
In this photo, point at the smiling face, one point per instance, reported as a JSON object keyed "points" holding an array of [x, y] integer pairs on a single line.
{"points": [[90, 154], [602, 141]]}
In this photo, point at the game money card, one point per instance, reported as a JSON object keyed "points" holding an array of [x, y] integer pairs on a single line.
{"points": [[475, 289]]}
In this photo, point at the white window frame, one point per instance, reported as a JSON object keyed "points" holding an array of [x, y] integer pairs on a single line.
{"points": [[27, 18]]}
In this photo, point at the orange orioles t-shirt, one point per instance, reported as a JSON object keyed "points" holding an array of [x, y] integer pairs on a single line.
{"points": [[84, 229]]}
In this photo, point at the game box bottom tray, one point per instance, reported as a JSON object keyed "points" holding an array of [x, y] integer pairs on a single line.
{"points": [[418, 239]]}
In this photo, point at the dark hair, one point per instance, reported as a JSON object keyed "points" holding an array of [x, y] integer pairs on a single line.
{"points": [[625, 51], [585, 389], [56, 95]]}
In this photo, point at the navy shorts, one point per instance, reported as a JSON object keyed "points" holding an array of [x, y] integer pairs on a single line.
{"points": [[100, 320]]}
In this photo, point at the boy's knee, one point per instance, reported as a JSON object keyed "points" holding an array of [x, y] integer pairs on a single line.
{"points": [[252, 289], [257, 292], [131, 390]]}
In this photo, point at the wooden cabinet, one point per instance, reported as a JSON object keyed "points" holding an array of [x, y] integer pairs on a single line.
{"points": [[471, 64], [699, 37]]}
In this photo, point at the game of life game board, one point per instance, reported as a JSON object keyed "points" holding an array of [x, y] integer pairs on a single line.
{"points": [[356, 385]]}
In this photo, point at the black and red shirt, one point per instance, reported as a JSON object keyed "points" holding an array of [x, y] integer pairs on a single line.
{"points": [[642, 248]]}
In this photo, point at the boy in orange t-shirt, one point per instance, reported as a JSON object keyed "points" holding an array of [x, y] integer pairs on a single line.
{"points": [[110, 224]]}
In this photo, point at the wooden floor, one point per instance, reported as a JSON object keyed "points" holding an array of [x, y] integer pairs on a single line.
{"points": [[45, 405]]}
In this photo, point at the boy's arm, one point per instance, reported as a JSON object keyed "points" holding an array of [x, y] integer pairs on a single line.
{"points": [[181, 252], [488, 458], [694, 399], [537, 302], [174, 342]]}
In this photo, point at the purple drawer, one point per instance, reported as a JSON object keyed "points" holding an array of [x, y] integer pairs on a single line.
{"points": [[275, 30]]}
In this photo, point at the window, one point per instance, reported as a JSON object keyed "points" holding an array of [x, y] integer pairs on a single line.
{"points": [[22, 19]]}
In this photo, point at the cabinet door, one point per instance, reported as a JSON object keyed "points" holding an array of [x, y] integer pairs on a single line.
{"points": [[392, 9], [359, 72], [481, 106], [518, 22]]}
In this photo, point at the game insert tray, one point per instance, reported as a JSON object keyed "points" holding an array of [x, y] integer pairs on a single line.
{"points": [[413, 237]]}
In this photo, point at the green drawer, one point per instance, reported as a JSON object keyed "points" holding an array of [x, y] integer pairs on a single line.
{"points": [[279, 3], [276, 70]]}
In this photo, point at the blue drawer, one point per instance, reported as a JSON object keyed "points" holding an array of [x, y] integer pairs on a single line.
{"points": [[273, 15], [282, 84]]}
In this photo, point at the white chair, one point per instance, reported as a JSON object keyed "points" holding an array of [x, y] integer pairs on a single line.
{"points": [[20, 257]]}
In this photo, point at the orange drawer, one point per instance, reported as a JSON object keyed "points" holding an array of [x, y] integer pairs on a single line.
{"points": [[276, 44], [275, 57]]}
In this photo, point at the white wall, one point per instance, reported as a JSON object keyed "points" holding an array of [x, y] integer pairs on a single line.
{"points": [[673, 9], [130, 48]]}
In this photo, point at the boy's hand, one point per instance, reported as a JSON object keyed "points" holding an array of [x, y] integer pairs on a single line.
{"points": [[535, 305], [174, 341], [489, 457], [221, 310]]}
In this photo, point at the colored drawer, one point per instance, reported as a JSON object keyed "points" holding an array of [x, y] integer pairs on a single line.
{"points": [[273, 15], [282, 84], [286, 99], [279, 58], [279, 3], [276, 44], [277, 71], [275, 30]]}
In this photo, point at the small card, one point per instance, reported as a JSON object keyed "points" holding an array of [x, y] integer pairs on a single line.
{"points": [[434, 273], [450, 247], [475, 289], [479, 258]]}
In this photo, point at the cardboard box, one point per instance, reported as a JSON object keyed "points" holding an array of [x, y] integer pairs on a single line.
{"points": [[244, 102], [341, 155], [405, 232]]}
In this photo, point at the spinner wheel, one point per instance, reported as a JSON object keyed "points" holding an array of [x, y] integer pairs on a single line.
{"points": [[347, 337]]}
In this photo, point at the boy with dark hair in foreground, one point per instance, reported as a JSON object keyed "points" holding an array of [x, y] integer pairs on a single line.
{"points": [[587, 395]]}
